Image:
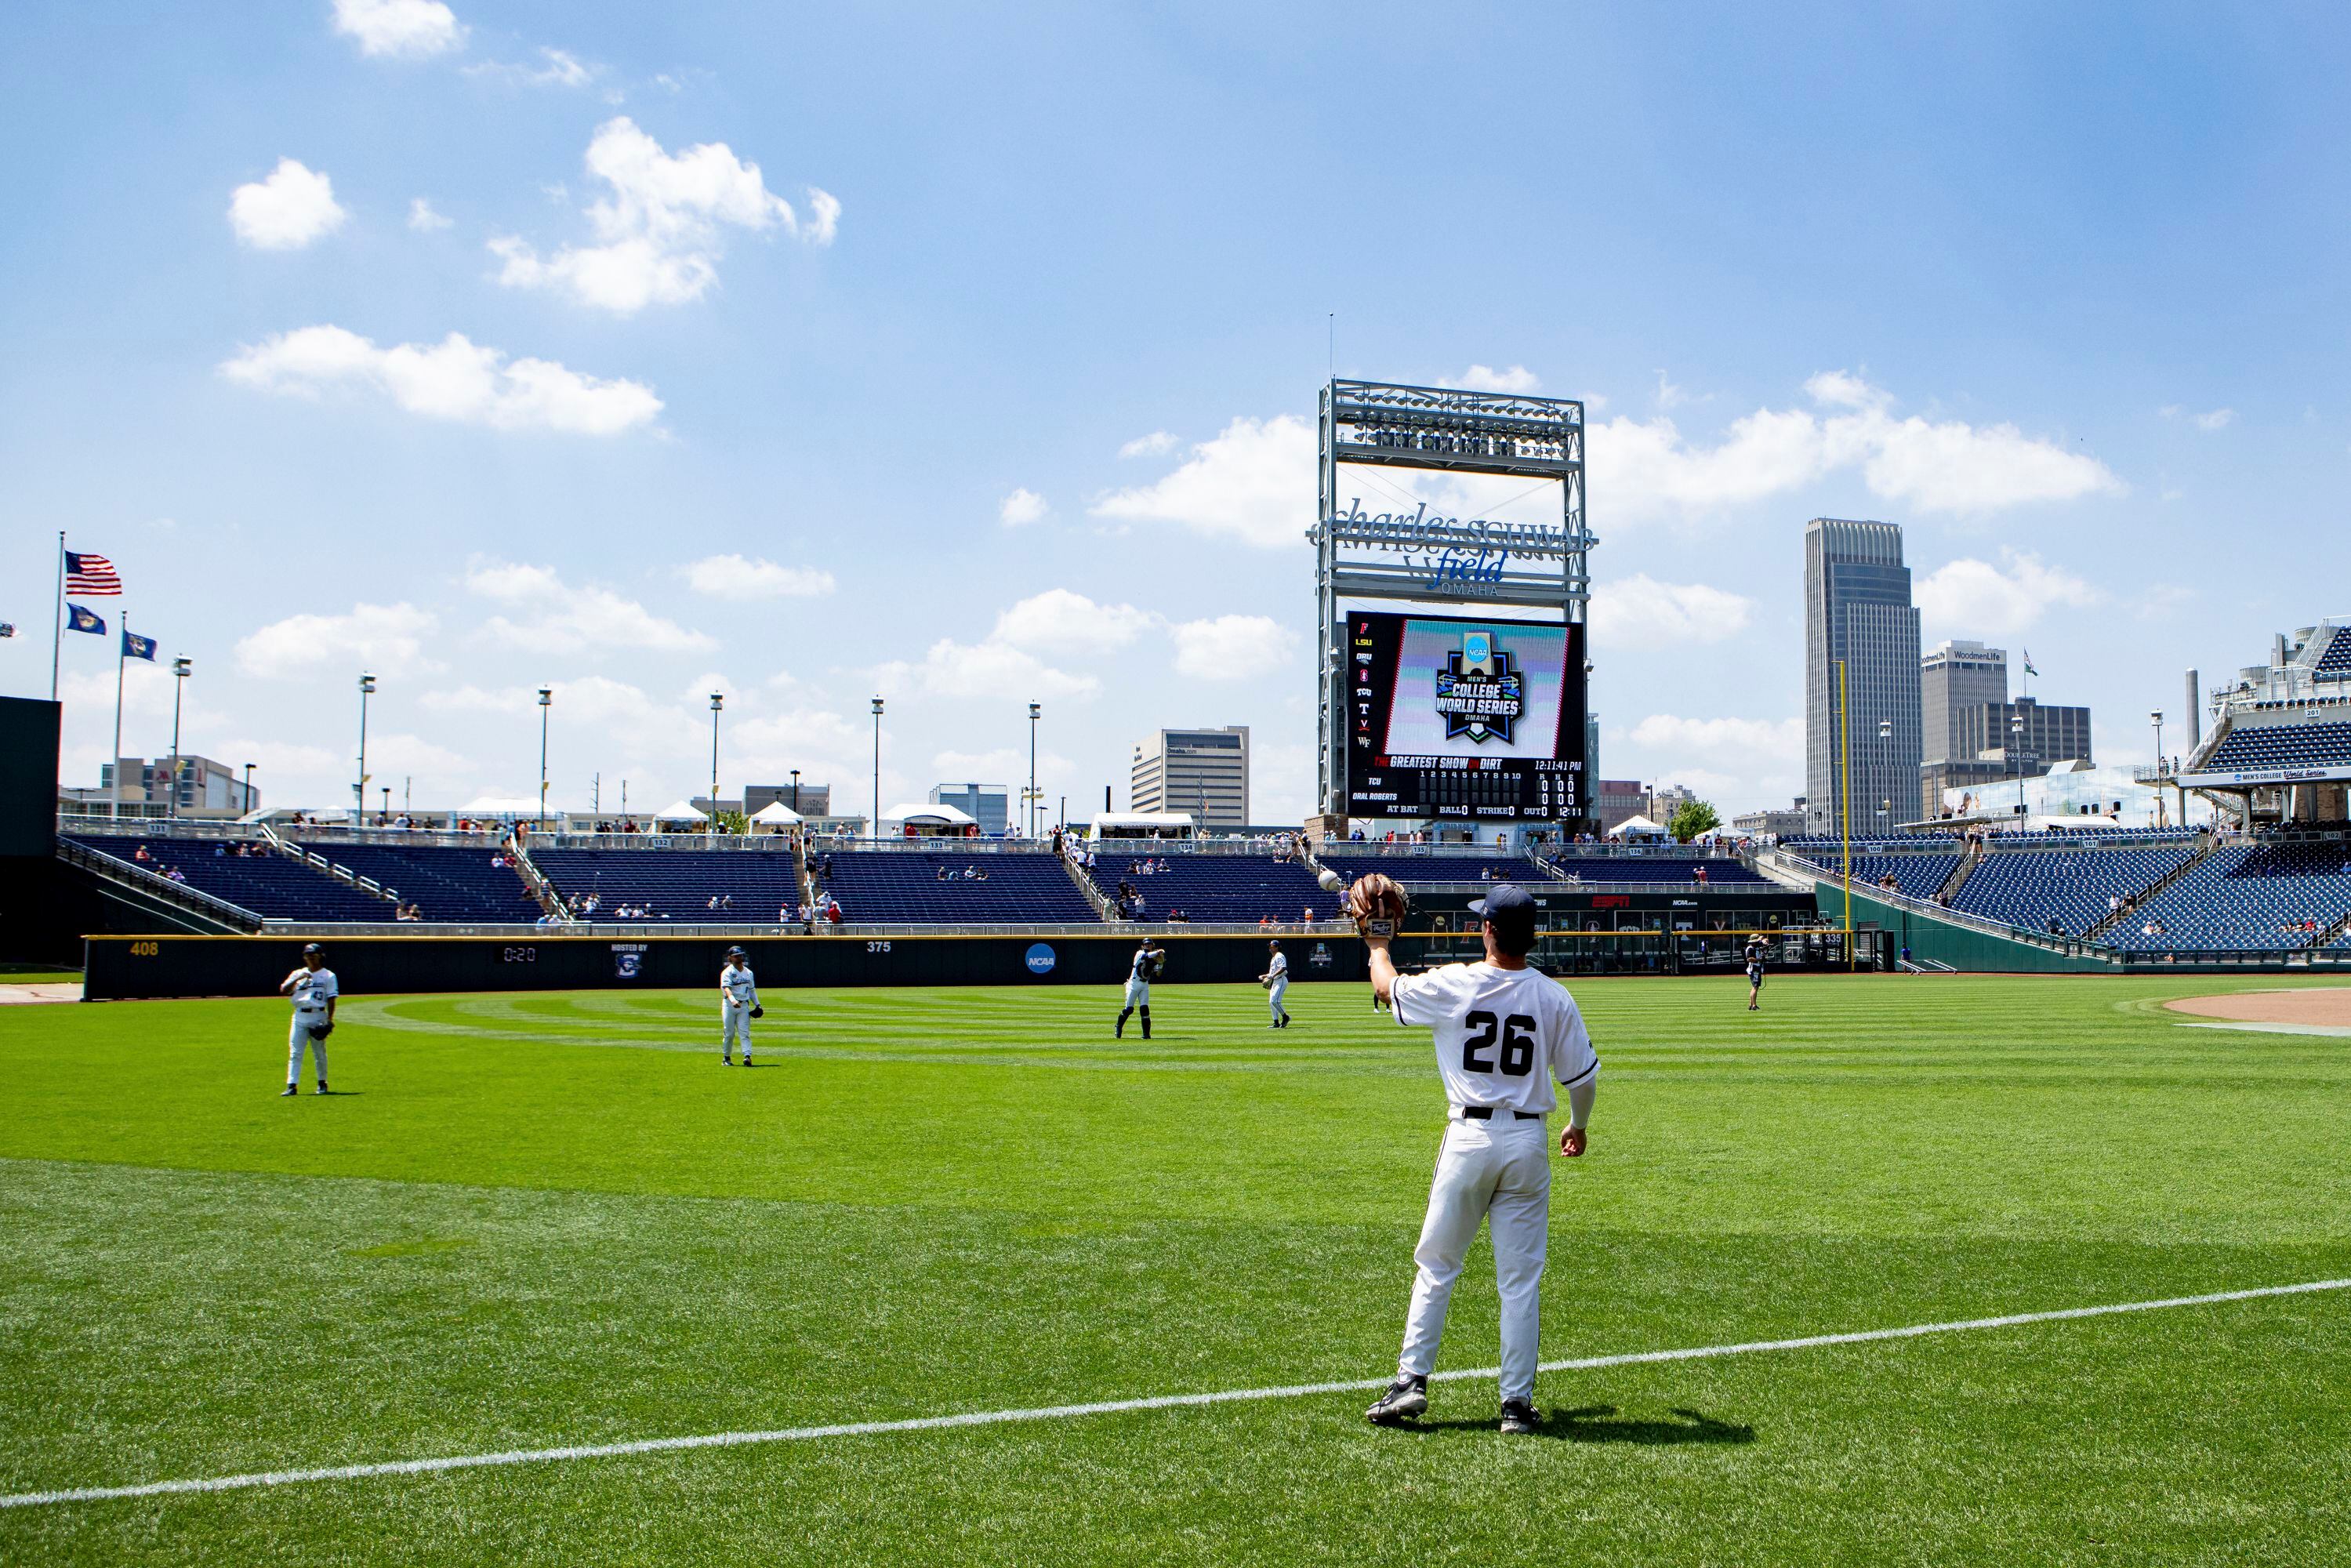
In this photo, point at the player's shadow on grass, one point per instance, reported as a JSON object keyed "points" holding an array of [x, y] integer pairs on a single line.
{"points": [[1602, 1424]]}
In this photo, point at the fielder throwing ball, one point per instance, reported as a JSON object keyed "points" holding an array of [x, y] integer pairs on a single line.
{"points": [[1504, 1032], [314, 991], [738, 1004], [1141, 971]]}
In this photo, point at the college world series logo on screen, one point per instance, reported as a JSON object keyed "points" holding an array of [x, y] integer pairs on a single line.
{"points": [[1479, 691]]}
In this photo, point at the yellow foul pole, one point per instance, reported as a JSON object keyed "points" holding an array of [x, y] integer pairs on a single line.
{"points": [[1845, 804]]}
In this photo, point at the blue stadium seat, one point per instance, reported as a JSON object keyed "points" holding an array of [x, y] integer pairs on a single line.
{"points": [[2246, 897], [271, 885], [448, 884], [2031, 887], [1230, 889], [2247, 749]]}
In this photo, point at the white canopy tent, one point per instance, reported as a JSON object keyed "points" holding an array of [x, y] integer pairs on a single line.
{"points": [[680, 811], [926, 814], [1142, 825], [775, 813], [1639, 827]]}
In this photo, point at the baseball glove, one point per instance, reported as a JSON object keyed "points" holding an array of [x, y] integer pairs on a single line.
{"points": [[1376, 904], [321, 1030], [758, 1011]]}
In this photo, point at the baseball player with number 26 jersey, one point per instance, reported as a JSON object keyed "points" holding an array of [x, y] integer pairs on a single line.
{"points": [[1504, 1034]]}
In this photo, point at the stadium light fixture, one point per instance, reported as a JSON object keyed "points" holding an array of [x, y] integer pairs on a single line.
{"points": [[546, 702], [248, 788], [181, 670], [2156, 718], [1031, 802], [359, 786], [873, 828], [717, 703]]}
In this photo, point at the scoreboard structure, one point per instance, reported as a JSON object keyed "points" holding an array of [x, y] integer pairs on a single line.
{"points": [[1471, 709]]}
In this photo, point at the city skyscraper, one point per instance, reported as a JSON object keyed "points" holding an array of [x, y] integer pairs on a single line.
{"points": [[1857, 608], [1203, 771], [1954, 677]]}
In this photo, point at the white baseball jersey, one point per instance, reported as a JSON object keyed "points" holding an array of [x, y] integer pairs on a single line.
{"points": [[1279, 968], [741, 990], [313, 988], [1503, 1034]]}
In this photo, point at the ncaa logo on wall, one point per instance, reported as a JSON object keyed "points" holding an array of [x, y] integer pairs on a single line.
{"points": [[1040, 959]]}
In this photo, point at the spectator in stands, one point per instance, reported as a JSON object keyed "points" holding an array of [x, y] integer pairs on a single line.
{"points": [[832, 909], [714, 901], [726, 901], [141, 854], [1307, 914]]}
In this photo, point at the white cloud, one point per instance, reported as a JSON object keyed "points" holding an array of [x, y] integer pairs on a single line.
{"points": [[1252, 483], [1020, 508], [1974, 598], [1058, 620], [422, 218], [1948, 466], [401, 29], [990, 669], [287, 211], [561, 619], [1485, 377], [734, 577], [556, 69], [1233, 647], [1640, 612], [1669, 396], [658, 226], [387, 639], [1158, 444], [453, 379], [2217, 419]]}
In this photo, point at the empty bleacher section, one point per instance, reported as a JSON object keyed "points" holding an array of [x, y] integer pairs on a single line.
{"points": [[676, 885], [905, 887], [2246, 897], [2031, 887], [1449, 867], [1225, 888], [445, 883], [1721, 871], [270, 884], [2252, 748], [1921, 874]]}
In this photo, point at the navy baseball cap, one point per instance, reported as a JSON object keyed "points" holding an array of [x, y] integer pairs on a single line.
{"points": [[1507, 908], [737, 953], [312, 947]]}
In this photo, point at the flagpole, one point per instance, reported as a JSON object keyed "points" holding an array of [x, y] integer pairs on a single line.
{"points": [[122, 641], [58, 623]]}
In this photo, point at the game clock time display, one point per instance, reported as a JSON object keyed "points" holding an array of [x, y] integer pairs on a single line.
{"points": [[1479, 719]]}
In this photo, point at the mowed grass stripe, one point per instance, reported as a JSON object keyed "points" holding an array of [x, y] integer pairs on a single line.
{"points": [[1116, 1407]]}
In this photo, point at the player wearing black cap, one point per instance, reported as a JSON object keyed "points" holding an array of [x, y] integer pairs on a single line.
{"points": [[1504, 1033], [314, 991], [738, 1004]]}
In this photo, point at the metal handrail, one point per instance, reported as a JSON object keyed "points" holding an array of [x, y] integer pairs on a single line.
{"points": [[133, 874]]}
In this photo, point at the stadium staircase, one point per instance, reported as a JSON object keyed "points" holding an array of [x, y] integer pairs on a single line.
{"points": [[2138, 901], [182, 904], [1960, 874], [314, 861], [1104, 907], [534, 881]]}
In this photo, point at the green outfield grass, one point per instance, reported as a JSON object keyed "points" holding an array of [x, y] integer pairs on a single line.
{"points": [[526, 1221]]}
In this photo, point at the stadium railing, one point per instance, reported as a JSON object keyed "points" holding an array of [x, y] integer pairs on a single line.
{"points": [[2073, 946]]}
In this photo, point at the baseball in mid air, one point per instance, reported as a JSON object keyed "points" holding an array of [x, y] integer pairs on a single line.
{"points": [[1331, 879]]}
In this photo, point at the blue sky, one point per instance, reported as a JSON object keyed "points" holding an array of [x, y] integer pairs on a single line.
{"points": [[970, 359]]}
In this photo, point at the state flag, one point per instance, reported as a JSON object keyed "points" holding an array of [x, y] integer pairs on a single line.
{"points": [[80, 620], [134, 646]]}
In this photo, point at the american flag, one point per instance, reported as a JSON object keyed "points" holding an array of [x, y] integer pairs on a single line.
{"points": [[90, 575]]}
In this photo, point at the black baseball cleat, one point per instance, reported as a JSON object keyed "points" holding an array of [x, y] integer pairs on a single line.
{"points": [[322, 1086], [725, 1062], [1406, 1398], [747, 1062], [289, 1089], [1519, 1418]]}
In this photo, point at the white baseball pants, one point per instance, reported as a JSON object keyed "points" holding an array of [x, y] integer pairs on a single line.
{"points": [[1274, 993], [1499, 1171], [1138, 993], [736, 1022], [298, 1036]]}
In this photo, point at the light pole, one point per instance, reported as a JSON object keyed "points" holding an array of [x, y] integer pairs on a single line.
{"points": [[545, 703], [181, 668], [796, 790], [717, 702], [248, 788], [1035, 709], [359, 790], [384, 815], [1885, 763], [2016, 734], [2156, 718], [874, 828]]}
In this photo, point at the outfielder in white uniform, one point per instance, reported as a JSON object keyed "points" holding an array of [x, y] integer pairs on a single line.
{"points": [[1504, 1033], [314, 991], [1139, 972], [1276, 981], [738, 1004]]}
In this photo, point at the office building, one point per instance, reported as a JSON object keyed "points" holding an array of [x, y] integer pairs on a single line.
{"points": [[206, 788], [1202, 771], [2026, 731], [990, 805], [1954, 676], [1770, 823], [1857, 610], [808, 799], [1616, 799]]}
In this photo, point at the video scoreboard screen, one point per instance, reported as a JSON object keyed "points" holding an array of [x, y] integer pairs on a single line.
{"points": [[1457, 717]]}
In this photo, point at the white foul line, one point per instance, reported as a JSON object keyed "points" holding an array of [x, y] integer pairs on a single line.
{"points": [[1100, 1407]]}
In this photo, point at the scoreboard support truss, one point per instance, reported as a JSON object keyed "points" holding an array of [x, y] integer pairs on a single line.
{"points": [[1476, 563]]}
